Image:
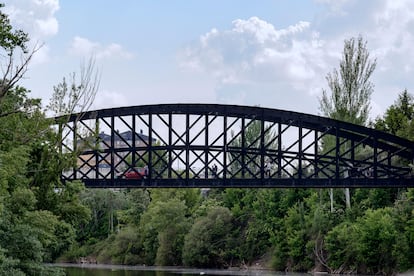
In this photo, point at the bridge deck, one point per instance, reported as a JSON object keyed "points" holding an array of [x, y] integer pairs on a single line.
{"points": [[243, 183]]}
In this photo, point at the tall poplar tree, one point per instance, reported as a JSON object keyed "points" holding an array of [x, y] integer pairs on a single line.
{"points": [[350, 87]]}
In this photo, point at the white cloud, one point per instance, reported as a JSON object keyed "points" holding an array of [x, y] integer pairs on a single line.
{"points": [[252, 47], [394, 34], [84, 47], [254, 57], [388, 27], [254, 61], [264, 31], [255, 54], [109, 99], [37, 17], [335, 7], [49, 26], [41, 56]]}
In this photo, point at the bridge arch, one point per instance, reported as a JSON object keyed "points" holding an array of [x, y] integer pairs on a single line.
{"points": [[214, 145]]}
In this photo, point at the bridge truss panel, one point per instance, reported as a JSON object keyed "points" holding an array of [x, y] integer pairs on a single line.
{"points": [[194, 145]]}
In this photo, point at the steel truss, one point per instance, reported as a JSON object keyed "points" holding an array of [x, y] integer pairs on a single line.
{"points": [[210, 145]]}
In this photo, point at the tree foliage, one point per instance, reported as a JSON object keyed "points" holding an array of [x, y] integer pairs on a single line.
{"points": [[38, 215], [164, 226], [350, 93], [398, 118], [76, 94], [208, 242], [351, 87], [12, 43]]}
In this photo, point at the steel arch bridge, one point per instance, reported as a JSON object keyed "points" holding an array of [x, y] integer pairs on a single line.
{"points": [[213, 145]]}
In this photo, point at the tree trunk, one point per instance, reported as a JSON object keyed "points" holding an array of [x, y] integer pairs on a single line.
{"points": [[332, 199], [347, 198]]}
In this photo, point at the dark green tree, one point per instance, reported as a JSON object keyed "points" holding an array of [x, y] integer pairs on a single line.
{"points": [[139, 200], [208, 243], [37, 213], [163, 227], [341, 244], [106, 206], [365, 246], [404, 222], [398, 118]]}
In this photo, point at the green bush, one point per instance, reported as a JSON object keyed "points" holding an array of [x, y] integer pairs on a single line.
{"points": [[207, 243], [365, 246]]}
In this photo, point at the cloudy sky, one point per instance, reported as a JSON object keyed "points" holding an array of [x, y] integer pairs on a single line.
{"points": [[271, 53]]}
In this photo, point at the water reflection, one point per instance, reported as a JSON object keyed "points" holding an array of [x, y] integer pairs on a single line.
{"points": [[78, 271], [114, 270]]}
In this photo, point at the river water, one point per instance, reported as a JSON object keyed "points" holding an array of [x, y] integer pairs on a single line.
{"points": [[116, 270]]}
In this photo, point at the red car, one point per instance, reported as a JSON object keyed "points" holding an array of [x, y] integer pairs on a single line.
{"points": [[136, 173]]}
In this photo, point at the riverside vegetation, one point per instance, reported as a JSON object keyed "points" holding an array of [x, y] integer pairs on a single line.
{"points": [[41, 220]]}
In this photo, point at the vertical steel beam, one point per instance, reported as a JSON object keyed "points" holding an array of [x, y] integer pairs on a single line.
{"points": [[262, 148], [75, 146], [187, 148], [389, 162], [112, 148], [337, 153], [170, 145], [243, 148], [353, 152], [206, 146], [97, 148], [225, 147], [61, 142], [375, 161], [134, 142], [300, 150], [316, 153], [150, 148], [279, 150]]}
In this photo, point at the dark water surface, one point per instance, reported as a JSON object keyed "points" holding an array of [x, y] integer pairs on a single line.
{"points": [[115, 270]]}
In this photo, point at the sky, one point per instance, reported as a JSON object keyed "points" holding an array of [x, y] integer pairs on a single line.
{"points": [[270, 53]]}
